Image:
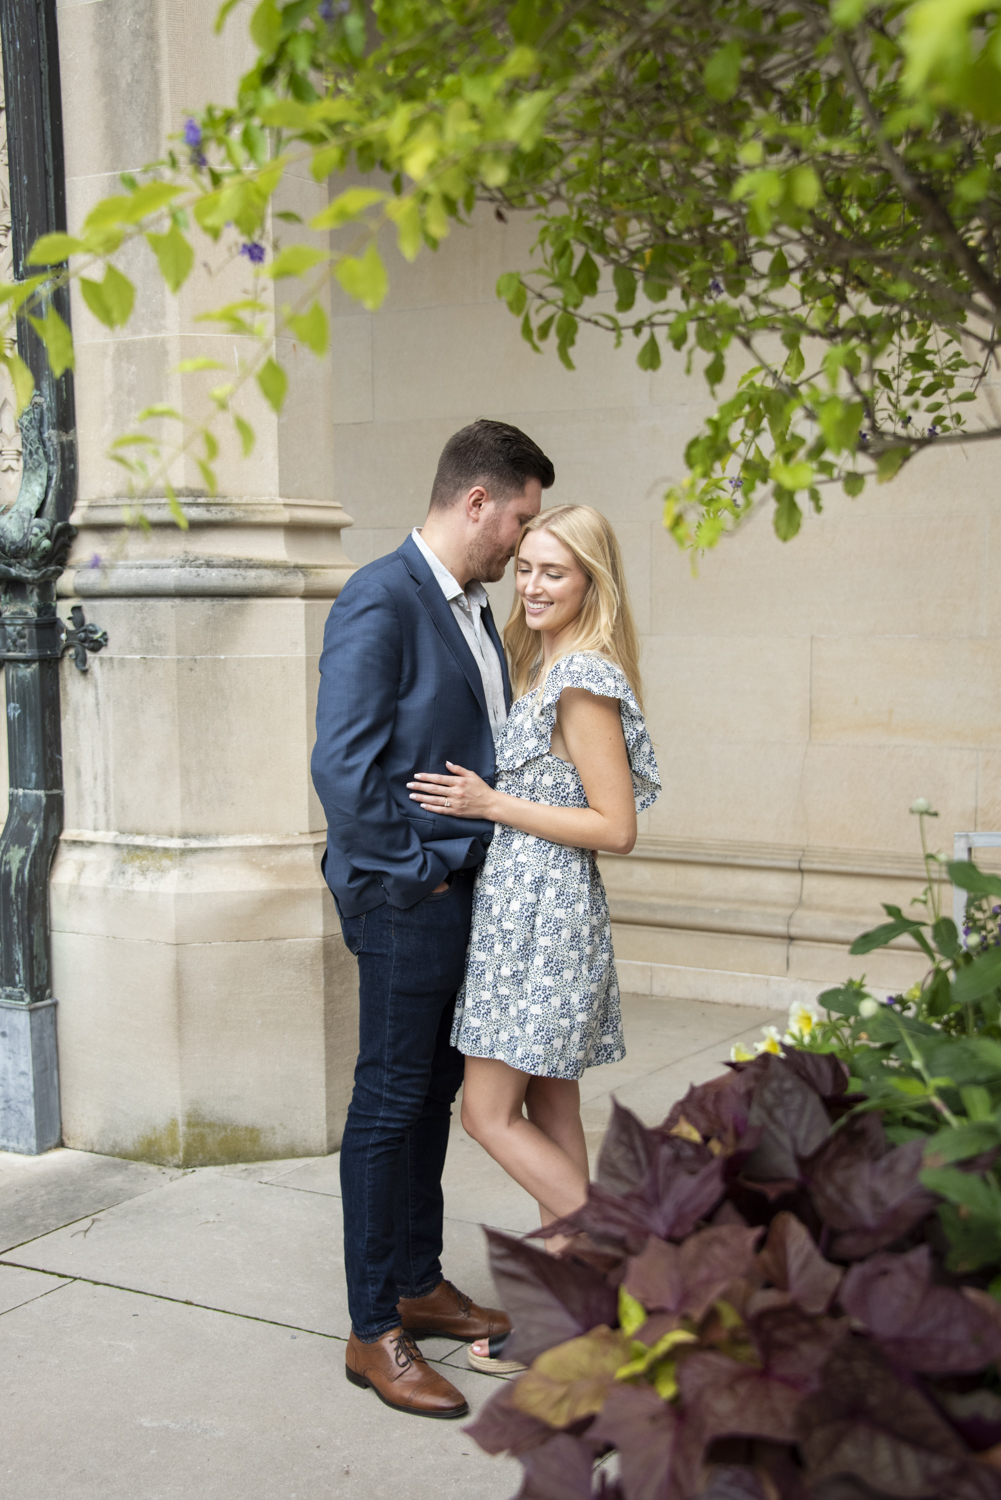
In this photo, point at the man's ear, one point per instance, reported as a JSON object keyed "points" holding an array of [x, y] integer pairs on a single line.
{"points": [[476, 498]]}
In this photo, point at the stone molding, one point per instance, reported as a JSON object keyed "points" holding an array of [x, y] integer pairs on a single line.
{"points": [[243, 547], [682, 897], [718, 986]]}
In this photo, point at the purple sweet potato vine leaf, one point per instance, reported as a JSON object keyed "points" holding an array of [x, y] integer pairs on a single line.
{"points": [[790, 1329]]}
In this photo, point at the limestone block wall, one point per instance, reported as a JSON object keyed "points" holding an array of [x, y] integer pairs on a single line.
{"points": [[207, 1005], [800, 696]]}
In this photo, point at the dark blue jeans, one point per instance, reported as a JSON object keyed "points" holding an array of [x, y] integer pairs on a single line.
{"points": [[410, 967]]}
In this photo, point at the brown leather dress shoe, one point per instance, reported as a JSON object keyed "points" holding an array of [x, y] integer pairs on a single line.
{"points": [[397, 1371], [449, 1314]]}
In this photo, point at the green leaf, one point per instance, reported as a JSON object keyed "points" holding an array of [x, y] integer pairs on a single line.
{"points": [[224, 10], [109, 300], [586, 276], [512, 289], [840, 421], [966, 875], [722, 72], [174, 255], [966, 1189], [266, 26], [632, 1313], [788, 517], [21, 378], [844, 1000], [273, 383], [946, 937], [406, 215], [980, 978], [853, 484], [364, 278], [57, 339], [312, 328], [346, 207], [796, 476], [649, 356], [886, 933], [959, 1144], [158, 409], [174, 506], [625, 288], [803, 186], [52, 250], [295, 260], [246, 434], [888, 464]]}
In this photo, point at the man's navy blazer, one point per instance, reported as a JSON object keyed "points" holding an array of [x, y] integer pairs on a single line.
{"points": [[400, 692]]}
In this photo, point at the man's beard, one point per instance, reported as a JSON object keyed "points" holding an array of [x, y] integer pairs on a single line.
{"points": [[488, 560]]}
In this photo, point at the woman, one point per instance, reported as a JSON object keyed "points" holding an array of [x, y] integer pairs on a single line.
{"points": [[540, 1001]]}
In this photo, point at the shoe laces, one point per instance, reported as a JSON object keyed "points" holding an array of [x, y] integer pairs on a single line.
{"points": [[405, 1350], [465, 1303]]}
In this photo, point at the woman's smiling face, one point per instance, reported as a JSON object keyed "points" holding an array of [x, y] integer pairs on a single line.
{"points": [[551, 582]]}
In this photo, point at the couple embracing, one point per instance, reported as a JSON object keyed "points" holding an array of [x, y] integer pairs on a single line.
{"points": [[462, 829]]}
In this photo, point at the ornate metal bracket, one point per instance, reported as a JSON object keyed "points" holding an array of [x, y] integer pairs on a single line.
{"points": [[82, 638], [47, 638]]}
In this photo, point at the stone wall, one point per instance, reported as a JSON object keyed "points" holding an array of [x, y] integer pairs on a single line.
{"points": [[207, 1006], [800, 696]]}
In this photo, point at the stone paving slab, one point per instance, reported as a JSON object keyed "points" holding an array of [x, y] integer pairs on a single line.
{"points": [[169, 1335], [39, 1193], [111, 1396], [18, 1286], [258, 1250]]}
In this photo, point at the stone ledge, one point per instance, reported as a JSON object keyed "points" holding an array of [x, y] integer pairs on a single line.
{"points": [[678, 982]]}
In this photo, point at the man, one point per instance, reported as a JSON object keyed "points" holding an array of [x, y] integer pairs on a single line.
{"points": [[413, 674]]}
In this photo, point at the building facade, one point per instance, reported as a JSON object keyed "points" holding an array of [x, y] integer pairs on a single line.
{"points": [[800, 696]]}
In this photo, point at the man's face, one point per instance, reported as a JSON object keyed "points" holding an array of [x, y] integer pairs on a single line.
{"points": [[493, 538]]}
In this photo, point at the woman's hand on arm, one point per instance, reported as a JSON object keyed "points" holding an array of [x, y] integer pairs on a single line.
{"points": [[461, 795], [592, 732]]}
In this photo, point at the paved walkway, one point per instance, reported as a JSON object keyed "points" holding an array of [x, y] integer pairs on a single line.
{"points": [[148, 1315]]}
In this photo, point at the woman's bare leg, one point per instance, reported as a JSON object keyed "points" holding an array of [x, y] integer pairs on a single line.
{"points": [[493, 1096], [545, 1153]]}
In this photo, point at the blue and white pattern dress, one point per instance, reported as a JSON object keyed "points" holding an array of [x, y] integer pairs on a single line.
{"points": [[541, 992]]}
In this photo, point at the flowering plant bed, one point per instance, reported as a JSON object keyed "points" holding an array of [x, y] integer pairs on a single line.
{"points": [[786, 1290]]}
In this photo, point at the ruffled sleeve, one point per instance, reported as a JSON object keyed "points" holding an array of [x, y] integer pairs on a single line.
{"points": [[583, 669]]}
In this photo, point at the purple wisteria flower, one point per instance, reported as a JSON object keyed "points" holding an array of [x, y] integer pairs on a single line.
{"points": [[254, 251], [715, 287], [192, 134], [95, 561], [933, 431], [331, 8]]}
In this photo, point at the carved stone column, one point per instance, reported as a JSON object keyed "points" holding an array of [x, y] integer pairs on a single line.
{"points": [[207, 1004]]}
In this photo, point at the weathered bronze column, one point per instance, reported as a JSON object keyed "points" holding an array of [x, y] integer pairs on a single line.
{"points": [[34, 541]]}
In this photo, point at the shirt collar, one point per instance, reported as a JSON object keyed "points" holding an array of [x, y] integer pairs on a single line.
{"points": [[474, 592]]}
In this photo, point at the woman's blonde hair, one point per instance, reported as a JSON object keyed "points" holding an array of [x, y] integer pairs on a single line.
{"points": [[605, 623]]}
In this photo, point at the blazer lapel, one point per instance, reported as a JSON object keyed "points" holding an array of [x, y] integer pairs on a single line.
{"points": [[492, 632], [438, 607]]}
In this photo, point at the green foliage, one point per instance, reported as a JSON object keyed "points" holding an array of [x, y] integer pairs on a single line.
{"points": [[109, 300], [929, 1060], [810, 187], [174, 256], [57, 339]]}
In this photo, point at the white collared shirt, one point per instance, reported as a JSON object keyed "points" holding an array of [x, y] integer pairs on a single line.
{"points": [[467, 605]]}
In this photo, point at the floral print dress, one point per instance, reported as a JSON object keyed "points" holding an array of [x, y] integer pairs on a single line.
{"points": [[541, 992]]}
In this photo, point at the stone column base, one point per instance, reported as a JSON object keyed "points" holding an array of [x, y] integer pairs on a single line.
{"points": [[210, 1011], [29, 1077]]}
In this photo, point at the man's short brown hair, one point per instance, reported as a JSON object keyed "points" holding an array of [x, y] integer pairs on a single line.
{"points": [[494, 454]]}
